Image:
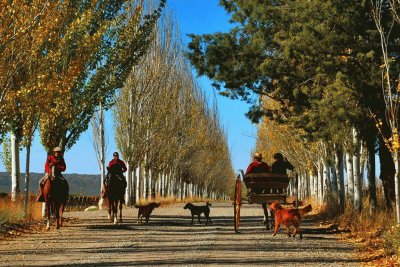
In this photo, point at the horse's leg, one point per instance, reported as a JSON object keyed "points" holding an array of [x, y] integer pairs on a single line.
{"points": [[120, 210], [264, 206], [115, 211], [48, 207], [272, 218], [44, 210], [57, 210], [109, 209], [61, 211]]}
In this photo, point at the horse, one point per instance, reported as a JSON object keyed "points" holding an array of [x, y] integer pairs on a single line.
{"points": [[115, 195], [55, 193]]}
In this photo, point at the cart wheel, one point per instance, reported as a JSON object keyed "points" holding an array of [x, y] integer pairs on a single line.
{"points": [[237, 203]]}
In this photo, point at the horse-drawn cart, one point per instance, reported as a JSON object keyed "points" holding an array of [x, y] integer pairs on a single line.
{"points": [[261, 188]]}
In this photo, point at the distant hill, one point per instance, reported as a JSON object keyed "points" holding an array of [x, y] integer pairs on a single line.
{"points": [[82, 184]]}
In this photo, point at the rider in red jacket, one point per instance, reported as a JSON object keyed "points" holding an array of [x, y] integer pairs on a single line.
{"points": [[56, 160], [115, 167], [258, 166]]}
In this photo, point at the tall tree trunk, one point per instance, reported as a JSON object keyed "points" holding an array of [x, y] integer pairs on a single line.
{"points": [[154, 175], [340, 176], [134, 185], [356, 173], [334, 179], [363, 162], [162, 181], [350, 177], [314, 175], [102, 149], [306, 185], [27, 178], [146, 182], [371, 175], [15, 167], [141, 182], [138, 183], [396, 158], [172, 186], [182, 189], [128, 193], [387, 173], [321, 182], [326, 175], [166, 183]]}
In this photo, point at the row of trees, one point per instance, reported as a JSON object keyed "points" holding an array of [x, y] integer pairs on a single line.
{"points": [[64, 63], [59, 60], [172, 142], [324, 72]]}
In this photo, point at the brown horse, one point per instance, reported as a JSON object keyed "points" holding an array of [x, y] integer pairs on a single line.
{"points": [[115, 195], [55, 192]]}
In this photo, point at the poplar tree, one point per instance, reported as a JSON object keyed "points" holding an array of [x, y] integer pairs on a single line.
{"points": [[121, 33]]}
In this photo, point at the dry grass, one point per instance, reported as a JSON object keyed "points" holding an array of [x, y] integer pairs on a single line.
{"points": [[14, 221], [13, 211], [374, 231]]}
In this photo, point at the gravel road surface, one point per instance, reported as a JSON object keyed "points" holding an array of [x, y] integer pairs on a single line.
{"points": [[88, 239]]}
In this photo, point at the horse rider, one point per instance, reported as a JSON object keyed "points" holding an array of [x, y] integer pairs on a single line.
{"points": [[55, 160], [116, 167]]}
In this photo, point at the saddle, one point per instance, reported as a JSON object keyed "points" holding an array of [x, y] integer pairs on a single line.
{"points": [[47, 178]]}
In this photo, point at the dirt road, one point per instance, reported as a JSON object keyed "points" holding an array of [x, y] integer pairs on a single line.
{"points": [[88, 239]]}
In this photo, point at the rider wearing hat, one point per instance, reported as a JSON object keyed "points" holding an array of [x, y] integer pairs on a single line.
{"points": [[115, 167], [57, 161]]}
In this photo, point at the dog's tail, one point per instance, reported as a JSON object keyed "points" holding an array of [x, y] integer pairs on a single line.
{"points": [[208, 203], [305, 210]]}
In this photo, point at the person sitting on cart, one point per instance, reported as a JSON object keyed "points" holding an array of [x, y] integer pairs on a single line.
{"points": [[258, 166], [281, 164]]}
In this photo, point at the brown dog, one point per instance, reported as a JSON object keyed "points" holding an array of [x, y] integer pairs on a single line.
{"points": [[287, 217], [146, 210]]}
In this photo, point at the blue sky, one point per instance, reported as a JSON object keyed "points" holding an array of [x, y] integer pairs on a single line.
{"points": [[194, 16]]}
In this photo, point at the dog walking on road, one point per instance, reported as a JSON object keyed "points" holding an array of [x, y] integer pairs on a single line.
{"points": [[198, 210]]}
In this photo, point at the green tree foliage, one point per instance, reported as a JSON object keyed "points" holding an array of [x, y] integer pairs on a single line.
{"points": [[316, 58], [320, 60]]}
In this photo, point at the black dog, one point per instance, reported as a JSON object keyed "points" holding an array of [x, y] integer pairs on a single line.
{"points": [[198, 210]]}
